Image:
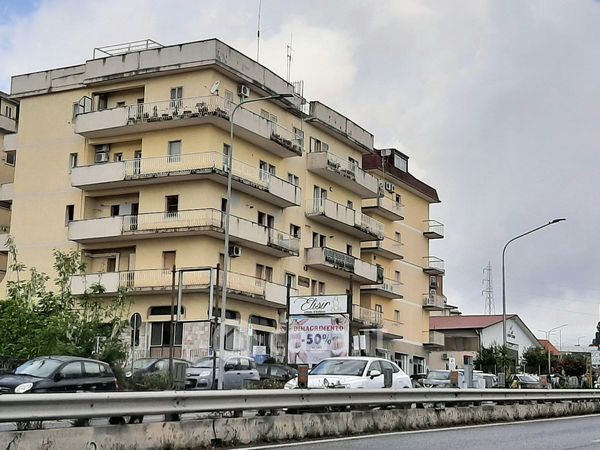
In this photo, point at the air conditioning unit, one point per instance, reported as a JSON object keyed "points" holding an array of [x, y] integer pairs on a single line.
{"points": [[243, 91], [390, 187], [104, 148], [235, 251], [445, 356], [101, 157], [433, 283]]}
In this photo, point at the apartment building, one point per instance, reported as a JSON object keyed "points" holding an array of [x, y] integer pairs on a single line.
{"points": [[124, 159], [8, 127]]}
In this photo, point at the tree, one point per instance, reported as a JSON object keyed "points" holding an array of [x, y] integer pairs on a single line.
{"points": [[35, 321], [535, 360], [572, 365], [494, 359]]}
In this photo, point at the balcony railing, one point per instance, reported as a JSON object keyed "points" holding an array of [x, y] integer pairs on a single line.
{"points": [[388, 288], [184, 165], [433, 338], [347, 216], [434, 301], [366, 316], [171, 113], [184, 220], [342, 264], [433, 265], [433, 229], [385, 207], [161, 279], [388, 248], [344, 172]]}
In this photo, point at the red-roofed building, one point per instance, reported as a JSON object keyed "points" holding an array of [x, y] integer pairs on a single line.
{"points": [[548, 345], [466, 334]]}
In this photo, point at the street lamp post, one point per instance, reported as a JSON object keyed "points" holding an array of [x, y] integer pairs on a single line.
{"points": [[548, 332], [504, 278], [226, 229]]}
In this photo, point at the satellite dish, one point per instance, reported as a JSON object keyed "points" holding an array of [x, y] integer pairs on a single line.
{"points": [[215, 87]]}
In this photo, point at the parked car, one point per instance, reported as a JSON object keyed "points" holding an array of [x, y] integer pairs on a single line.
{"points": [[279, 372], [148, 366], [353, 372], [59, 374], [441, 379], [238, 371], [524, 381]]}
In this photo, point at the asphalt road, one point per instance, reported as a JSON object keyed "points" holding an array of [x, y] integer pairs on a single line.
{"points": [[564, 433]]}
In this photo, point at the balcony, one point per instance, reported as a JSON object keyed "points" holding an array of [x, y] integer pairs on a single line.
{"points": [[433, 339], [388, 248], [434, 265], [158, 281], [343, 265], [184, 223], [10, 142], [434, 302], [7, 124], [384, 207], [194, 166], [4, 242], [344, 219], [7, 192], [344, 173], [389, 288], [213, 110], [433, 229], [367, 317]]}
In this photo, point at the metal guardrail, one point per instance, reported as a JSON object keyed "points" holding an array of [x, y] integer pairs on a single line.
{"points": [[25, 407]]}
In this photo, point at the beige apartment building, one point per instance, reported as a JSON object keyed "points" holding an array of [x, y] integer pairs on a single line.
{"points": [[9, 109], [124, 159]]}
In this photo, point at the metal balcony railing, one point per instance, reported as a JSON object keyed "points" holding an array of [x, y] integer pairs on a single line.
{"points": [[367, 316], [434, 300], [339, 259], [435, 263], [433, 228]]}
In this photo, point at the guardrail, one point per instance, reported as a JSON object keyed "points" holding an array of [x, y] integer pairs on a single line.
{"points": [[27, 407]]}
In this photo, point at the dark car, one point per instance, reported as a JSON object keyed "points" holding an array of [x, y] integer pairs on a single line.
{"points": [[59, 374], [147, 366], [279, 372]]}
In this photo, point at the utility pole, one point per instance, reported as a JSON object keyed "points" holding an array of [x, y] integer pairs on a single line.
{"points": [[488, 291]]}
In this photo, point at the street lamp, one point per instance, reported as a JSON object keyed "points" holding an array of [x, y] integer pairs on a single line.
{"points": [[504, 278], [548, 339], [578, 339], [226, 229]]}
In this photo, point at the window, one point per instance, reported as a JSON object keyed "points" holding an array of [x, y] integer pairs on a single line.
{"points": [[396, 315], [160, 334], [92, 369], [319, 198], [400, 162], [263, 321], [169, 260], [321, 288], [8, 111], [69, 214], [11, 158], [314, 287], [378, 311], [164, 310], [226, 151], [231, 337], [172, 203], [317, 145], [319, 240], [418, 364], [120, 104], [290, 280], [293, 179], [299, 137], [72, 370], [266, 220], [114, 210], [398, 199], [353, 163], [375, 365], [295, 230], [350, 205], [118, 157], [397, 236], [386, 365], [402, 360], [111, 264], [264, 272], [102, 102], [228, 95], [72, 160], [348, 249], [397, 276], [176, 96], [174, 151]]}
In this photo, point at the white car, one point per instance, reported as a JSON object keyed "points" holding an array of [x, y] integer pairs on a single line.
{"points": [[354, 372]]}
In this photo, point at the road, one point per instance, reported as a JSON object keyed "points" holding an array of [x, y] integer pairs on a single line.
{"points": [[562, 433]]}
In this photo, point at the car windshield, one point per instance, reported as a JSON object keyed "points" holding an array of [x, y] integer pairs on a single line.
{"points": [[144, 363], [340, 367], [438, 375], [205, 362], [42, 368]]}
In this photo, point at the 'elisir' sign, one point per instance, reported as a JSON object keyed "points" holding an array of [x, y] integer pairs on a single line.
{"points": [[319, 304]]}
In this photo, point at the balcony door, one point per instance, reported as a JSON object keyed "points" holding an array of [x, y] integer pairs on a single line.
{"points": [[319, 197]]}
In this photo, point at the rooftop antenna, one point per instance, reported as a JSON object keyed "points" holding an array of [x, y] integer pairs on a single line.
{"points": [[289, 58], [488, 290], [258, 32]]}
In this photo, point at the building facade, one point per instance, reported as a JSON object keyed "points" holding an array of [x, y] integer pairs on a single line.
{"points": [[9, 109], [124, 159]]}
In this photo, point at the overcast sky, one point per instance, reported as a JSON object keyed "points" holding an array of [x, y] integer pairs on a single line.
{"points": [[497, 104]]}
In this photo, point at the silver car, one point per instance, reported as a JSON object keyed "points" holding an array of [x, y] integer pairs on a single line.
{"points": [[238, 371]]}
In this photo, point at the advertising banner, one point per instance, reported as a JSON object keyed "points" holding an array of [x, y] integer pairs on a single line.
{"points": [[319, 304], [312, 339]]}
